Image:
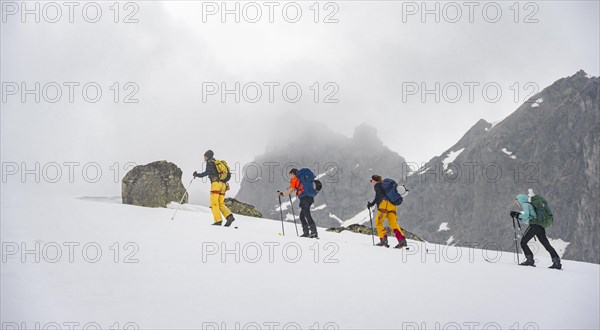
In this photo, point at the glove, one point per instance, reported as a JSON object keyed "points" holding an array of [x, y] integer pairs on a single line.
{"points": [[514, 214], [195, 174], [370, 205]]}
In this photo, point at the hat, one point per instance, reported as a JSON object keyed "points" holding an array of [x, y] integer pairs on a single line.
{"points": [[209, 154]]}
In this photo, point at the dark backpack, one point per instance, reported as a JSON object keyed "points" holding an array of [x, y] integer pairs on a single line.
{"points": [[542, 210], [390, 191], [308, 182], [318, 185]]}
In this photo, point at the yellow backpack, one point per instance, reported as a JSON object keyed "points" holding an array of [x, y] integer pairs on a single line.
{"points": [[223, 169]]}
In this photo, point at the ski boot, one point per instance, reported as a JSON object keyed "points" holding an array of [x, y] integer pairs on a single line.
{"points": [[528, 262], [383, 242], [218, 223], [556, 264], [401, 244], [230, 219], [313, 235], [305, 232]]}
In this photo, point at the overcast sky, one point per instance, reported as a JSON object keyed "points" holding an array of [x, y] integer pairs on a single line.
{"points": [[369, 56]]}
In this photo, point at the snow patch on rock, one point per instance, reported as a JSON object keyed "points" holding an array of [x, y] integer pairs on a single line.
{"points": [[509, 153], [443, 227], [451, 157], [537, 103]]}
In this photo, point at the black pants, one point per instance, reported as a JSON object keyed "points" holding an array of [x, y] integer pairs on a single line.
{"points": [[540, 232], [305, 216]]}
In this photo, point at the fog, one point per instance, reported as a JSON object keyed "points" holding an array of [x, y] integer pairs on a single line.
{"points": [[173, 59]]}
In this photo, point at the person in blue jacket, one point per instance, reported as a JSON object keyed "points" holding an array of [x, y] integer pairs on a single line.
{"points": [[529, 217]]}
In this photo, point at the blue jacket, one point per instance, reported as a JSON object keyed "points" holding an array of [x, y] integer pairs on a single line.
{"points": [[379, 194], [211, 171], [528, 211]]}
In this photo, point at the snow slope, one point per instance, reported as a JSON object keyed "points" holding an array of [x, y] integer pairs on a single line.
{"points": [[183, 278]]}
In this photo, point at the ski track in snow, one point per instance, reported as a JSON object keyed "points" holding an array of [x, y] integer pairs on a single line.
{"points": [[176, 283]]}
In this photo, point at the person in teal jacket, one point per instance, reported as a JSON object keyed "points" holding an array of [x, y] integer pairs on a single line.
{"points": [[529, 217]]}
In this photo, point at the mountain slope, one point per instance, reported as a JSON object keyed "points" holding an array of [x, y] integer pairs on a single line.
{"points": [[183, 278], [549, 144]]}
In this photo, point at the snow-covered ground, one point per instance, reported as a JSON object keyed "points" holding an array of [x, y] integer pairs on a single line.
{"points": [[120, 266]]}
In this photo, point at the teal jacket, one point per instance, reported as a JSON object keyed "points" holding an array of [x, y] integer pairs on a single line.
{"points": [[528, 214]]}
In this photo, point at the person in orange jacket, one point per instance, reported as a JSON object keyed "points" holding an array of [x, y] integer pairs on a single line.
{"points": [[385, 210], [305, 202]]}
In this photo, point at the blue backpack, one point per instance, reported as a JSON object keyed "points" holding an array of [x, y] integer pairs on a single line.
{"points": [[390, 191], [307, 179]]}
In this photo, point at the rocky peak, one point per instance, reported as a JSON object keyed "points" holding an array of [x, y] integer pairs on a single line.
{"points": [[366, 134], [546, 145]]}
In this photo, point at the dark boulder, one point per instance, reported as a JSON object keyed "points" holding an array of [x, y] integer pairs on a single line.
{"points": [[362, 229], [153, 185], [238, 207]]}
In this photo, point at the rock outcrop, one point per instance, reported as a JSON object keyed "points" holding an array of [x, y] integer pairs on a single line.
{"points": [[238, 207], [153, 185], [362, 229]]}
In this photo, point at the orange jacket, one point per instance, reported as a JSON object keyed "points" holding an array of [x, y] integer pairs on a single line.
{"points": [[295, 183]]}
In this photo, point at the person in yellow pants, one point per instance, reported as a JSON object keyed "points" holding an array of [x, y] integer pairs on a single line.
{"points": [[217, 191], [385, 210]]}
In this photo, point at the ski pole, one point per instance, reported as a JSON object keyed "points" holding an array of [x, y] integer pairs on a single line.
{"points": [[281, 210], [182, 197], [294, 215], [516, 244], [371, 220], [521, 230]]}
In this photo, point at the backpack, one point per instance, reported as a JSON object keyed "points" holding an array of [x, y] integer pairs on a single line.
{"points": [[543, 211], [224, 174], [309, 183], [390, 191]]}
